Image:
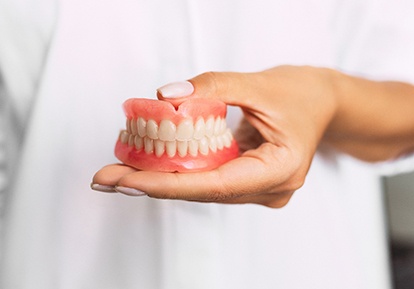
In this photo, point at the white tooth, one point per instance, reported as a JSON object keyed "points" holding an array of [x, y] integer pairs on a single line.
{"points": [[210, 126], [229, 134], [213, 144], [182, 148], [124, 136], [159, 146], [185, 130], [128, 125], [142, 127], [217, 126], [226, 140], [148, 145], [152, 129], [131, 141], [220, 143], [199, 129], [223, 126], [139, 142], [203, 146], [171, 148], [134, 127], [166, 131], [193, 147]]}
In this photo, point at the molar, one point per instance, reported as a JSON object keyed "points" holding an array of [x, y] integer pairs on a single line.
{"points": [[124, 136], [139, 142]]}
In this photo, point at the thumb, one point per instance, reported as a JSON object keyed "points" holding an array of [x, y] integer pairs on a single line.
{"points": [[230, 87]]}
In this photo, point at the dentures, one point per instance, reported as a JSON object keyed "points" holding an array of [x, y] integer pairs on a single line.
{"points": [[160, 137]]}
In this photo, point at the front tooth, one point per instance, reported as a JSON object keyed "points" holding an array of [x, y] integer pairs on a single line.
{"points": [[199, 129], [182, 148], [124, 136], [171, 148], [193, 147], [159, 146], [139, 142], [134, 127], [213, 144], [203, 146], [142, 127], [210, 126], [148, 145], [166, 131], [217, 126], [152, 129], [185, 130]]}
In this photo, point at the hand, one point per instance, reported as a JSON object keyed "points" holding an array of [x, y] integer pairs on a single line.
{"points": [[286, 110]]}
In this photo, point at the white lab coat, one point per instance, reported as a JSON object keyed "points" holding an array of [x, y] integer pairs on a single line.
{"points": [[66, 68]]}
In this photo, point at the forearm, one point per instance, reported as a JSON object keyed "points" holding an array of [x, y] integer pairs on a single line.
{"points": [[374, 120]]}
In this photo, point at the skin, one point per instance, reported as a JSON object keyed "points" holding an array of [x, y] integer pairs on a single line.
{"points": [[288, 113]]}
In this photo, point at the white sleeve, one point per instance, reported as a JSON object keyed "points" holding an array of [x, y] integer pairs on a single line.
{"points": [[378, 44]]}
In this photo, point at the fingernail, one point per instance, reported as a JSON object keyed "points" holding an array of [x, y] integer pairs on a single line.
{"points": [[102, 188], [129, 191], [176, 89]]}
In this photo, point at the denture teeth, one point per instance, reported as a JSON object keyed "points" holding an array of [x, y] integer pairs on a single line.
{"points": [[223, 126], [152, 129], [213, 144], [134, 127], [171, 148], [182, 147], [199, 129], [185, 130], [217, 126], [128, 125], [142, 127], [148, 145], [139, 142], [203, 146], [124, 137], [159, 146], [220, 143], [171, 139], [131, 140], [226, 140], [167, 130], [209, 127], [193, 147]]}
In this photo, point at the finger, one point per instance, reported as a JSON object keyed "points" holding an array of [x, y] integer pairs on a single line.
{"points": [[230, 87], [107, 177]]}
